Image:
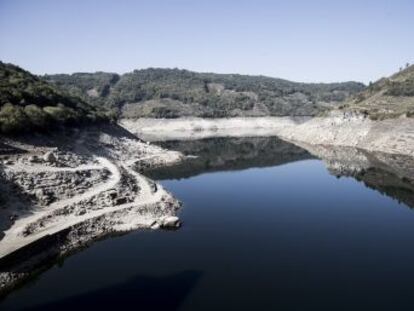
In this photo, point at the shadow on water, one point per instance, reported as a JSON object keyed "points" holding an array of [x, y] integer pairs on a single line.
{"points": [[138, 293]]}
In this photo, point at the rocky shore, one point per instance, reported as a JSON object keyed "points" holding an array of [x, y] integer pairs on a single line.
{"points": [[343, 129], [392, 136], [199, 128], [62, 192]]}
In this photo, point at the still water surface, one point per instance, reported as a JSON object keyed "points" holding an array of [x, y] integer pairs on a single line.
{"points": [[261, 232]]}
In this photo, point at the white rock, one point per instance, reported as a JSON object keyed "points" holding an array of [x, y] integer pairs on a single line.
{"points": [[155, 226], [50, 157], [171, 222], [33, 158]]}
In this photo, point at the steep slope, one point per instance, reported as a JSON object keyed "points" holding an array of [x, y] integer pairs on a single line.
{"points": [[387, 98], [27, 102], [381, 118], [175, 93]]}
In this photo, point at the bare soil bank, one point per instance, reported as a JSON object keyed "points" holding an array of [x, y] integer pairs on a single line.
{"points": [[392, 136], [395, 136], [198, 128]]}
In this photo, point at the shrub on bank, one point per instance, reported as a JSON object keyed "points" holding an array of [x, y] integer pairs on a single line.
{"points": [[17, 119], [12, 119], [28, 103], [37, 117], [62, 114]]}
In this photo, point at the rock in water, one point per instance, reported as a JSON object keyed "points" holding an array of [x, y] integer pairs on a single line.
{"points": [[155, 226], [171, 222], [50, 157]]}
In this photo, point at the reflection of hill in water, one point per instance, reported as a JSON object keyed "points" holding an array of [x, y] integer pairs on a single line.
{"points": [[391, 175], [401, 189], [224, 154]]}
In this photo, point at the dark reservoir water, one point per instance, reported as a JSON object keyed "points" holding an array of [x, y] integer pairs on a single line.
{"points": [[266, 227]]}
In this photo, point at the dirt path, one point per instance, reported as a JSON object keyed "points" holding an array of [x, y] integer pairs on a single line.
{"points": [[14, 238], [92, 177], [51, 169]]}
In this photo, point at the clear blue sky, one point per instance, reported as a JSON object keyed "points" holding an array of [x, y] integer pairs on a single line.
{"points": [[311, 41]]}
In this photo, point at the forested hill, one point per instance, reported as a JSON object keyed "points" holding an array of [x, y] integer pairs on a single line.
{"points": [[175, 93], [386, 98], [27, 102]]}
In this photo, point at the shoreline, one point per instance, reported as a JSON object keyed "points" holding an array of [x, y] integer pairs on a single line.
{"points": [[393, 136], [112, 195], [79, 186], [199, 128]]}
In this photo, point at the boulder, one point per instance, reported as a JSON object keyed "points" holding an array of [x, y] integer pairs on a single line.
{"points": [[171, 222], [113, 194], [50, 157], [44, 197], [33, 159], [39, 193], [121, 200], [155, 225]]}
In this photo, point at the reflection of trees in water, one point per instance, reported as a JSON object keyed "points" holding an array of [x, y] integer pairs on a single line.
{"points": [[222, 154], [388, 183], [389, 174]]}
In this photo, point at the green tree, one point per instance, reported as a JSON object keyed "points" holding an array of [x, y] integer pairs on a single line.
{"points": [[38, 118], [12, 119]]}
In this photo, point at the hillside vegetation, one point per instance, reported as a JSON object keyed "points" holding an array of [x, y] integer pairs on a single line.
{"points": [[27, 102], [175, 93], [91, 87], [387, 98]]}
